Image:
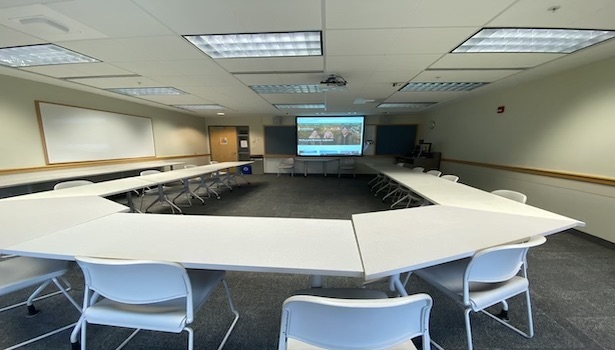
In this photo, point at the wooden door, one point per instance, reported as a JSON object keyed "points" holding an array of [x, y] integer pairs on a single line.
{"points": [[223, 143]]}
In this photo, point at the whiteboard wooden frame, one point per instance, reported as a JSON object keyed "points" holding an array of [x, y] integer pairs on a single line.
{"points": [[72, 134]]}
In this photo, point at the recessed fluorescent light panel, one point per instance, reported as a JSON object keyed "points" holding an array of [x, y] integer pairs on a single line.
{"points": [[424, 87], [41, 55], [259, 44], [286, 89], [406, 105], [301, 106], [148, 91], [200, 107], [533, 40]]}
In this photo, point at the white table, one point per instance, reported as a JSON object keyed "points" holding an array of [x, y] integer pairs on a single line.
{"points": [[397, 241], [31, 177], [322, 160], [444, 192], [297, 246], [25, 220]]}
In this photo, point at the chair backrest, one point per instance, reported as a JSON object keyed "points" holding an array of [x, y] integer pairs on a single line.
{"points": [[287, 161], [418, 169], [515, 196], [149, 172], [355, 324], [498, 264], [71, 183], [137, 281], [400, 164], [434, 172], [453, 178]]}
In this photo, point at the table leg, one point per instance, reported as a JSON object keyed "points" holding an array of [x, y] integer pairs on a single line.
{"points": [[316, 281]]}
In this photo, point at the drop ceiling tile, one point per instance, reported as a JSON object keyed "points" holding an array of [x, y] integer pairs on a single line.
{"points": [[381, 62], [114, 18], [120, 82], [493, 60], [171, 99], [175, 67], [198, 80], [165, 48], [280, 79], [346, 14], [294, 98], [10, 37], [463, 75], [276, 64], [77, 70], [235, 16], [411, 41], [593, 14], [424, 96]]}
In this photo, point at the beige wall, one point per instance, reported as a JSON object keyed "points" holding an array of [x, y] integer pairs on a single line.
{"points": [[564, 122], [175, 133]]}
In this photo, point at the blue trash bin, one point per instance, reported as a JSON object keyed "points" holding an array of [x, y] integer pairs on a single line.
{"points": [[246, 169]]}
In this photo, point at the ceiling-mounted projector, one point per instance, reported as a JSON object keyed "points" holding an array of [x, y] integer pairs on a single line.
{"points": [[333, 83]]}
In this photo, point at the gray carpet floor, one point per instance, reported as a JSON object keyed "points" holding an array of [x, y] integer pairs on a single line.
{"points": [[572, 284]]}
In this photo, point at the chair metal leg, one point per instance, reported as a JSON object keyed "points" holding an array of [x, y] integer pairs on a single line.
{"points": [[233, 310], [468, 328], [530, 320]]}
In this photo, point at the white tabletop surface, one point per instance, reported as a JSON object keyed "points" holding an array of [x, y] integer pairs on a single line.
{"points": [[103, 188], [28, 219], [303, 246], [397, 241], [444, 192], [30, 177]]}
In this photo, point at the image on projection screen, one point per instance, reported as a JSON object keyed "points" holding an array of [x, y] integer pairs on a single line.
{"points": [[330, 136]]}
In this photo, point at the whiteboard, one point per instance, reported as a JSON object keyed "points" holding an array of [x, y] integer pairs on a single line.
{"points": [[73, 134]]}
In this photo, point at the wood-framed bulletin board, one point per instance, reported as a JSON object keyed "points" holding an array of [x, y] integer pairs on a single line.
{"points": [[73, 134]]}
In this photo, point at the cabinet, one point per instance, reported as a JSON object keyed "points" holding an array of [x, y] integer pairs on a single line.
{"points": [[243, 143]]}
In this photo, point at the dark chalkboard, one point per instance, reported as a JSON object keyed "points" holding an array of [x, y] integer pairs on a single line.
{"points": [[280, 139], [395, 139]]}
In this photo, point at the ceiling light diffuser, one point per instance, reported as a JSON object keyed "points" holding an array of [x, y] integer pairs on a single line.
{"points": [[409, 105], [259, 44], [534, 40], [200, 107], [41, 55], [286, 89], [300, 106], [148, 91], [429, 86]]}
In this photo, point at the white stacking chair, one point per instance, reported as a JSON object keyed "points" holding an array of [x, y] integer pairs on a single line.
{"points": [[17, 273], [151, 295], [287, 164], [347, 164], [490, 277], [160, 192], [449, 177], [418, 169], [71, 183], [434, 172], [513, 195], [316, 322]]}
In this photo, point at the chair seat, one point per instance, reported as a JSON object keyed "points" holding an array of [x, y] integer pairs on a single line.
{"points": [[294, 344], [449, 277], [169, 316], [22, 272], [343, 293]]}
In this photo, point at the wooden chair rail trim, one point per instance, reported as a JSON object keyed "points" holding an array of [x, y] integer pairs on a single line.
{"points": [[596, 179]]}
